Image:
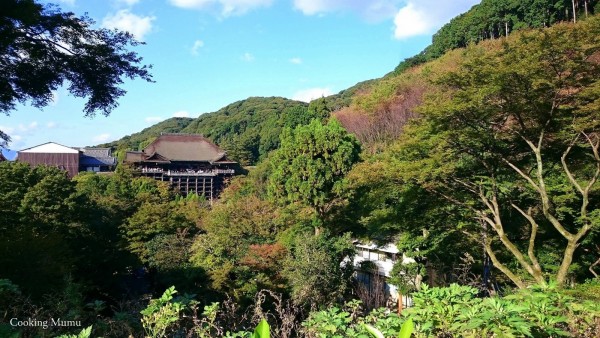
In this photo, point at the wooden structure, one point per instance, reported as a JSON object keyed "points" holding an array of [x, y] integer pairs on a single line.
{"points": [[190, 162], [52, 154]]}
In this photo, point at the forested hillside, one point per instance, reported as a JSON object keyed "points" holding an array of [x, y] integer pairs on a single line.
{"points": [[141, 139], [247, 129], [250, 128], [482, 166], [492, 19]]}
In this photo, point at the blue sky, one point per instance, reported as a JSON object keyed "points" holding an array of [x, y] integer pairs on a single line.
{"points": [[209, 53]]}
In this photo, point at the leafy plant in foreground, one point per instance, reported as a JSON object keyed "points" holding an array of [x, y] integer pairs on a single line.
{"points": [[161, 314]]}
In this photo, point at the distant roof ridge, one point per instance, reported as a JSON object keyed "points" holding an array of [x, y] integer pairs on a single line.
{"points": [[190, 134], [49, 142], [44, 144]]}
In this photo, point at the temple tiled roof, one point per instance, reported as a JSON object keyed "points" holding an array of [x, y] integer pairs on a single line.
{"points": [[180, 147]]}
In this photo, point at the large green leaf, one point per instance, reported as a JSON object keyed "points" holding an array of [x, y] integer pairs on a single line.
{"points": [[262, 330], [374, 331], [407, 329]]}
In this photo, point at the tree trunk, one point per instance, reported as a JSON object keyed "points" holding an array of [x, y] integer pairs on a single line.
{"points": [[563, 271], [400, 305], [514, 278], [574, 12]]}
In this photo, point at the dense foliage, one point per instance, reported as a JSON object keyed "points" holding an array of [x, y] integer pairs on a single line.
{"points": [[482, 166], [311, 164], [250, 128], [87, 239], [41, 48]]}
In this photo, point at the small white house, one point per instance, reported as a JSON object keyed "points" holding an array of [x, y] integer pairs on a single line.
{"points": [[383, 258]]}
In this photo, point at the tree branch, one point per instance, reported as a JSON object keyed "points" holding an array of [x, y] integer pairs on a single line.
{"points": [[542, 190], [563, 160], [597, 157], [522, 174], [534, 228], [514, 278], [497, 226], [592, 268]]}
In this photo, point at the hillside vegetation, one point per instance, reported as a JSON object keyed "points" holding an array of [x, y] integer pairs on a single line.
{"points": [[497, 140], [248, 129], [139, 140], [482, 165]]}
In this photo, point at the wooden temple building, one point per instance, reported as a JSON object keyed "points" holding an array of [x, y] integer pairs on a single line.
{"points": [[190, 162]]}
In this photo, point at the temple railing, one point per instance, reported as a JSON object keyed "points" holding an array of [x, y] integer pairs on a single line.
{"points": [[189, 172]]}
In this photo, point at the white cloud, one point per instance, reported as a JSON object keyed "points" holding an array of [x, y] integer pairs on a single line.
{"points": [[409, 22], [28, 127], [425, 16], [68, 2], [411, 17], [196, 47], [373, 10], [310, 94], [22, 129], [129, 2], [296, 61], [247, 57], [226, 7], [51, 125], [7, 129], [181, 113], [101, 138], [153, 119], [127, 21]]}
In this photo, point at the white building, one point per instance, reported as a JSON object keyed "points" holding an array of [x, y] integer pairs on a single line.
{"points": [[383, 259]]}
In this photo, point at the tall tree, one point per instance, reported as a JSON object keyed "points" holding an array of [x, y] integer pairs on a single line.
{"points": [[310, 165], [512, 138], [42, 47]]}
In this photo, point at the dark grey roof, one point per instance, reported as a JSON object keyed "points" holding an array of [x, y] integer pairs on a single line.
{"points": [[96, 161], [97, 152], [97, 157]]}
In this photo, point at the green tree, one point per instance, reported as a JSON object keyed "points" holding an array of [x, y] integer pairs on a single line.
{"points": [[238, 249], [42, 47], [512, 139], [150, 221], [39, 220], [318, 269], [311, 164], [48, 202]]}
